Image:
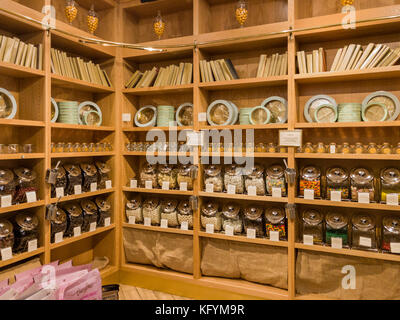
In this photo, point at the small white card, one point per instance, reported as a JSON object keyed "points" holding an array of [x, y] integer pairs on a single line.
{"points": [[6, 254], [209, 228], [58, 237], [93, 226], [183, 186], [202, 117], [395, 247], [274, 235], [164, 223], [184, 225], [147, 221], [108, 184], [77, 189], [133, 184], [252, 190], [32, 245], [392, 199], [60, 192], [6, 201], [308, 240], [251, 233], [126, 117], [365, 242], [132, 220], [148, 184], [332, 149], [31, 196], [231, 189], [229, 230], [309, 194], [209, 187], [276, 192], [165, 185], [337, 243], [77, 231], [336, 196], [93, 187], [107, 221], [363, 197], [194, 139]]}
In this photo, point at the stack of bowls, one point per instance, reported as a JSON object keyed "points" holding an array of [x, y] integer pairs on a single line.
{"points": [[349, 112], [165, 115], [68, 112], [244, 115]]}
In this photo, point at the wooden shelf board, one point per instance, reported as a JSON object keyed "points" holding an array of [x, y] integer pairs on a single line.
{"points": [[144, 56], [240, 238], [350, 156], [107, 271], [16, 24], [138, 129], [22, 123], [83, 195], [158, 229], [82, 154], [65, 126], [16, 71], [22, 206], [100, 4], [241, 197], [244, 83], [21, 256], [84, 235], [186, 88], [150, 8], [158, 191], [348, 204], [368, 124], [21, 156], [76, 84], [144, 153], [244, 127], [243, 155]]}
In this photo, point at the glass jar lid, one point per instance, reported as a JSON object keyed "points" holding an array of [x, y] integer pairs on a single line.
{"points": [[337, 175], [253, 213], [231, 211], [103, 204], [233, 170], [6, 176], [72, 169], [89, 207], [185, 169], [336, 220], [151, 203], [210, 209], [275, 171], [274, 215], [25, 174], [73, 209], [60, 217], [312, 217], [165, 168], [363, 222], [149, 168], [89, 169], [6, 228], [213, 170], [256, 172], [134, 203], [361, 176], [391, 176], [392, 224], [27, 221], [310, 173], [168, 205], [185, 208], [103, 167]]}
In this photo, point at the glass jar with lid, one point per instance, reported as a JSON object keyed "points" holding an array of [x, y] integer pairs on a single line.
{"points": [[337, 180], [167, 173], [213, 175], [26, 180], [386, 148], [362, 181], [74, 178], [89, 214], [372, 148], [133, 208], [275, 178], [271, 147], [211, 215], [255, 178], [74, 217], [346, 148], [391, 234], [253, 219], [185, 213], [313, 227], [58, 223], [169, 212], [6, 234], [61, 181], [148, 173], [275, 221], [151, 210], [234, 176], [104, 171], [7, 184], [321, 147], [308, 148], [26, 229], [185, 175], [231, 217], [104, 210], [359, 148], [89, 174], [310, 179], [397, 149], [364, 232], [390, 183], [336, 226]]}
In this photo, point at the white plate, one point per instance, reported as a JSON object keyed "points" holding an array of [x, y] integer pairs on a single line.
{"points": [[229, 105], [93, 106], [284, 117], [316, 101], [393, 110], [151, 123], [182, 106], [13, 102], [56, 111]]}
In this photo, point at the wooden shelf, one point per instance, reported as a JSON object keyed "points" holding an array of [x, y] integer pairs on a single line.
{"points": [[21, 156], [76, 84], [350, 156], [83, 195], [158, 191], [144, 153], [241, 197], [150, 8], [65, 126], [348, 204], [368, 124], [187, 88], [21, 256], [244, 127], [82, 154], [244, 83], [138, 129], [13, 70], [100, 4], [243, 155], [108, 271], [23, 206], [158, 229], [22, 123]]}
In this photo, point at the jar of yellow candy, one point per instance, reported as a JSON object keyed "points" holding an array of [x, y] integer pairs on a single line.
{"points": [[159, 25], [92, 20], [241, 12], [70, 11]]}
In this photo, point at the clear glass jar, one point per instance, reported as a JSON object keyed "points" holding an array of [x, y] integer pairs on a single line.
{"points": [[253, 219], [364, 232], [337, 179], [346, 149], [231, 218], [185, 213], [104, 210], [372, 148], [85, 147], [167, 173], [77, 147], [234, 176], [185, 174], [313, 226], [213, 175], [133, 208], [359, 148], [255, 178], [7, 184], [151, 209], [271, 147], [390, 183], [336, 226], [169, 211], [74, 217], [26, 180], [52, 147], [92, 147], [90, 215], [275, 178], [308, 148], [261, 147], [397, 149], [390, 233], [74, 177], [211, 215], [58, 223], [103, 170], [28, 148], [275, 220], [148, 173], [13, 148], [321, 147], [386, 148], [310, 179], [69, 147], [6, 234], [362, 181], [26, 229], [89, 174]]}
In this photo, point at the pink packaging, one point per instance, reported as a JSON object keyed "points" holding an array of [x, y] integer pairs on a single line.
{"points": [[90, 284], [3, 284], [31, 273]]}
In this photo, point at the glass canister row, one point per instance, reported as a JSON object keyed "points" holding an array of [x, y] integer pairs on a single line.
{"points": [[18, 185], [347, 148], [16, 148], [180, 146], [80, 147], [247, 147], [73, 218]]}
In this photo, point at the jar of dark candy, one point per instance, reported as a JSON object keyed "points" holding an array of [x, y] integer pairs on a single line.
{"points": [[364, 232], [89, 214], [26, 182], [337, 179], [74, 177], [391, 234], [6, 234], [362, 181], [26, 229], [89, 175], [231, 217], [58, 223], [133, 208], [313, 227], [104, 210], [74, 217], [61, 181], [253, 219], [275, 220], [336, 225], [103, 174], [7, 184]]}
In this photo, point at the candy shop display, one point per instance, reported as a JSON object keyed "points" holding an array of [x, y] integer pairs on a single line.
{"points": [[362, 181], [104, 171], [337, 180], [336, 226], [211, 215], [89, 174], [255, 178], [275, 178], [90, 114], [58, 222], [151, 210], [185, 213], [133, 208], [310, 179], [90, 215], [213, 176], [233, 176], [167, 174], [104, 210], [8, 104], [313, 227], [74, 178], [26, 181], [169, 212], [275, 220], [231, 217], [184, 175], [390, 183], [390, 234], [314, 103], [364, 233], [74, 218], [253, 219], [26, 228], [6, 234], [148, 173]]}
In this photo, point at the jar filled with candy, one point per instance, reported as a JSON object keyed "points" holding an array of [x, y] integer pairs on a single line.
{"points": [[337, 180], [211, 215], [313, 227], [148, 173], [310, 179], [6, 234], [89, 214], [169, 212], [185, 176], [336, 226], [61, 181], [234, 176], [74, 217], [151, 210], [104, 210], [185, 213], [7, 184], [390, 183], [74, 178], [103, 174], [364, 232], [275, 178], [168, 174], [253, 219], [231, 218], [26, 229], [213, 175], [255, 178], [26, 182], [391, 234], [133, 208], [58, 223], [362, 181], [89, 174], [275, 221]]}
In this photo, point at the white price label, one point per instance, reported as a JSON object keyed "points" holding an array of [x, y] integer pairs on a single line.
{"points": [[147, 221], [93, 187], [365, 242], [209, 228], [252, 190], [274, 235], [276, 192], [148, 184], [77, 189], [209, 187], [229, 230], [290, 138], [164, 223], [93, 226], [58, 237], [60, 192], [31, 196], [132, 220], [77, 231], [309, 194], [392, 199], [133, 184], [107, 221], [251, 233], [108, 184], [308, 240], [184, 225], [363, 197], [202, 117], [6, 253], [32, 245], [183, 186], [332, 149], [337, 243], [126, 117], [6, 201], [165, 185], [336, 196], [231, 189], [194, 139], [395, 247]]}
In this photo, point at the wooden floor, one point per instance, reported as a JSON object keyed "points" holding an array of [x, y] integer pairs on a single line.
{"points": [[136, 293]]}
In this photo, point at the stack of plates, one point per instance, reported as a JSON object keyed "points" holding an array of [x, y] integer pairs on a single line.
{"points": [[244, 115], [349, 112], [165, 115], [68, 112]]}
